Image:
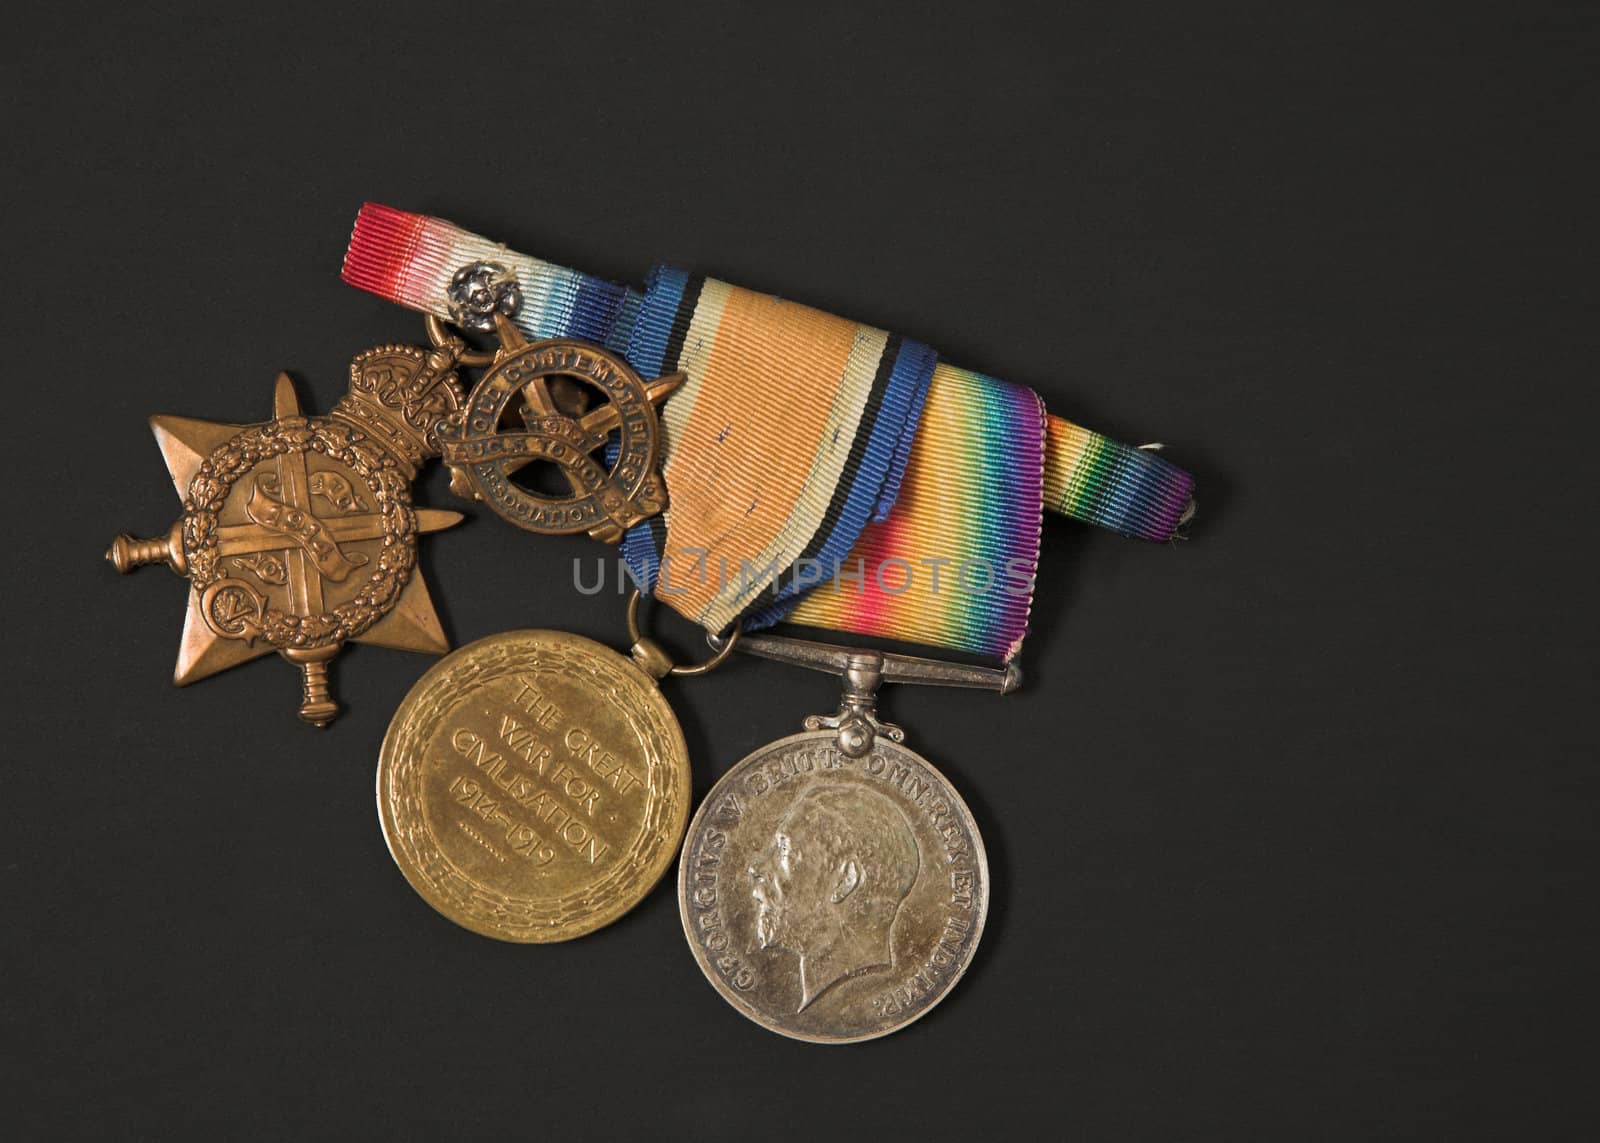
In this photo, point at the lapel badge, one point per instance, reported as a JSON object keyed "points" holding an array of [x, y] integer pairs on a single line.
{"points": [[575, 406]]}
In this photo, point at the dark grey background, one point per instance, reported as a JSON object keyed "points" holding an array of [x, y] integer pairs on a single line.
{"points": [[1292, 827]]}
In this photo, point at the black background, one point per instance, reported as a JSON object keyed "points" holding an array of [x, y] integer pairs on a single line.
{"points": [[1291, 829]]}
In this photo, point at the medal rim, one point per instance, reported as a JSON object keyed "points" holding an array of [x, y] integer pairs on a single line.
{"points": [[650, 877], [749, 1011]]}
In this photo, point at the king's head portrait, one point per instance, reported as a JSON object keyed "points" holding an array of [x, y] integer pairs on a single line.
{"points": [[841, 862]]}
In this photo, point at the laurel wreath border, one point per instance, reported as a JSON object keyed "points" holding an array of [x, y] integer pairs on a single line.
{"points": [[448, 686], [377, 468]]}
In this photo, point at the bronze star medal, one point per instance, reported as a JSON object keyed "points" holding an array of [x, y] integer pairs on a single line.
{"points": [[299, 535]]}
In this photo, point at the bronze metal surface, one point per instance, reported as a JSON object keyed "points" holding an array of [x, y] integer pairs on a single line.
{"points": [[299, 535], [533, 786], [543, 383]]}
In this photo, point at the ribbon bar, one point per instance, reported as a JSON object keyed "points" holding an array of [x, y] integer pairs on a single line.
{"points": [[806, 449]]}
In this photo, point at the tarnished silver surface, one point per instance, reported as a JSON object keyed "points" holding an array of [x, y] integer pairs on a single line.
{"points": [[479, 290], [862, 671], [889, 666], [833, 898]]}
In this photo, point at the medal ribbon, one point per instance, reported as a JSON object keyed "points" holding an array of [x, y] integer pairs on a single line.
{"points": [[953, 562], [791, 433], [806, 449]]}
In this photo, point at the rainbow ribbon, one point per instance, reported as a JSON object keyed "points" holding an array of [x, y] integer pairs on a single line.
{"points": [[805, 449], [953, 562]]}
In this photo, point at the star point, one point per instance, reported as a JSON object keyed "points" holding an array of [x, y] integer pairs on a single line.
{"points": [[185, 442], [203, 653], [413, 624], [285, 401]]}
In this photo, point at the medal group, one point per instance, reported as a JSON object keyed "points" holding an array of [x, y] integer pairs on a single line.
{"points": [[757, 461]]}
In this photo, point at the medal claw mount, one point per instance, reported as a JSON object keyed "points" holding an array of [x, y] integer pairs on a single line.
{"points": [[550, 377], [862, 672], [298, 535]]}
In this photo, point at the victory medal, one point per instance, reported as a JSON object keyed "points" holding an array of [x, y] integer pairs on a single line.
{"points": [[534, 785], [298, 535]]}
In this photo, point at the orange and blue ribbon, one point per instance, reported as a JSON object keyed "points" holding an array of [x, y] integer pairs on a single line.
{"points": [[805, 449], [789, 436]]}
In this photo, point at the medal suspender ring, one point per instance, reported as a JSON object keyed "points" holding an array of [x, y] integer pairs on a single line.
{"points": [[440, 338], [653, 660]]}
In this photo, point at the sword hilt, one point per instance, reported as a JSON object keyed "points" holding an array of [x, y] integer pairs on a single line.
{"points": [[317, 705], [129, 552]]}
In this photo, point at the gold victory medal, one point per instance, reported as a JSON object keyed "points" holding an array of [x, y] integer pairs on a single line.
{"points": [[533, 786]]}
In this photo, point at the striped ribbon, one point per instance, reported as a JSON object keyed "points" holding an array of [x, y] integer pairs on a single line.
{"points": [[1128, 490], [806, 449], [953, 563], [790, 434], [410, 259]]}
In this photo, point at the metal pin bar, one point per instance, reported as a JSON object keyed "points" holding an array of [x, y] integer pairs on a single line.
{"points": [[887, 665]]}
